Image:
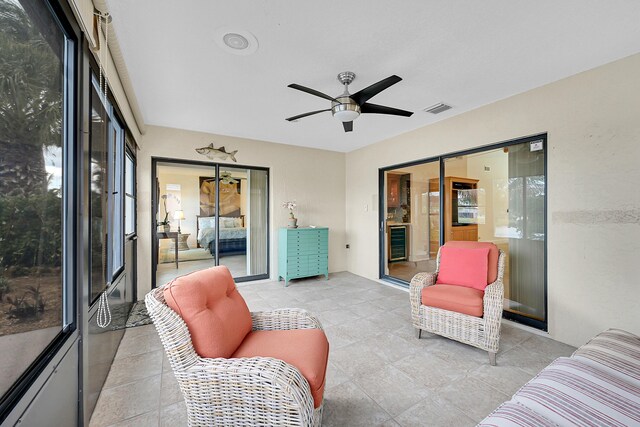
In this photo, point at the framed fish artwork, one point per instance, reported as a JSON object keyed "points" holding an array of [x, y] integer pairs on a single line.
{"points": [[213, 153]]}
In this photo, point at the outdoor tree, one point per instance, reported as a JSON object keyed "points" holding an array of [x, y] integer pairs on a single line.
{"points": [[31, 103]]}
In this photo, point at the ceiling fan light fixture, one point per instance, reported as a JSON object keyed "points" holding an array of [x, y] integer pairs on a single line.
{"points": [[346, 115], [347, 111]]}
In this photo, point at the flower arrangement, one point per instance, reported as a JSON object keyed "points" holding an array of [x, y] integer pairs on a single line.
{"points": [[166, 214], [293, 221], [291, 206]]}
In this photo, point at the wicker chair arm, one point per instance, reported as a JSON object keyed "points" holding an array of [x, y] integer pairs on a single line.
{"points": [[284, 319], [493, 300], [419, 282], [261, 390]]}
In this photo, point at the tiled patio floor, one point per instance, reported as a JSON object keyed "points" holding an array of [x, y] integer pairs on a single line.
{"points": [[379, 373]]}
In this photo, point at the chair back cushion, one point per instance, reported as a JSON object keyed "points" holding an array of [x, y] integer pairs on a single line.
{"points": [[463, 267], [494, 254], [215, 313]]}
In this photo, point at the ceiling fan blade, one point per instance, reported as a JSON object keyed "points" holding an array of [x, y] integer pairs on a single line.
{"points": [[381, 109], [310, 113], [369, 92], [348, 126], [312, 92]]}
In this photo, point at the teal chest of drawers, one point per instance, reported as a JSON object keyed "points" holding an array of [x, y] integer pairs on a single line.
{"points": [[303, 252]]}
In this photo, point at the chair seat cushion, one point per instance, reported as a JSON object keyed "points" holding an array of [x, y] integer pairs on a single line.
{"points": [[215, 313], [454, 298], [306, 349], [463, 267]]}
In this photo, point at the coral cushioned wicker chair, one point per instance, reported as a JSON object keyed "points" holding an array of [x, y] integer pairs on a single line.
{"points": [[463, 299], [235, 367]]}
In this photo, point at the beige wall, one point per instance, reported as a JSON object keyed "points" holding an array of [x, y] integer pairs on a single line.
{"points": [[593, 126], [315, 179]]}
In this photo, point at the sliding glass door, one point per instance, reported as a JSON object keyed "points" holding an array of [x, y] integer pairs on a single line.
{"points": [[411, 226], [495, 194], [209, 214]]}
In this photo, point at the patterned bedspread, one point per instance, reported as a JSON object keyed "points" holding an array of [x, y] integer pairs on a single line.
{"points": [[207, 235]]}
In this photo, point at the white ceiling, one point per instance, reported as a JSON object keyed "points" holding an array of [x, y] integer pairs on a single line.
{"points": [[464, 53]]}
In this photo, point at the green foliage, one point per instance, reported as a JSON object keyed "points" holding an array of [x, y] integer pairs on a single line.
{"points": [[31, 230], [30, 304], [5, 287], [30, 80]]}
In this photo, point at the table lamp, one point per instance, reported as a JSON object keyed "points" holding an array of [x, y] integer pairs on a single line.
{"points": [[179, 215]]}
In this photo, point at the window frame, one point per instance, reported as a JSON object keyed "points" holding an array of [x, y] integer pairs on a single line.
{"points": [[62, 17], [116, 191], [116, 147], [130, 155]]}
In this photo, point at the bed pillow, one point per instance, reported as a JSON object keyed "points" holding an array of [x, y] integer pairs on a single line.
{"points": [[227, 222], [239, 221], [206, 222]]}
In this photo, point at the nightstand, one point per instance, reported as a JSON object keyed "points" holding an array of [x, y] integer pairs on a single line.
{"points": [[182, 242]]}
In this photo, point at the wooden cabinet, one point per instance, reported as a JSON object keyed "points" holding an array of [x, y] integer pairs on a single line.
{"points": [[434, 217], [303, 252], [454, 228], [464, 232]]}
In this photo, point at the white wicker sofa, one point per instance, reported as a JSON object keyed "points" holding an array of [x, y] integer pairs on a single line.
{"points": [[599, 385]]}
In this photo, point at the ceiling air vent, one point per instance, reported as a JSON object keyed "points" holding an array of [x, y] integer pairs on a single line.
{"points": [[438, 108]]}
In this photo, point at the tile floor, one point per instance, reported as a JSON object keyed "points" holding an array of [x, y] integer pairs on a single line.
{"points": [[237, 264], [379, 373]]}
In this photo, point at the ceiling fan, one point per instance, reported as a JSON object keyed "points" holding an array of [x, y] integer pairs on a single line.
{"points": [[347, 107]]}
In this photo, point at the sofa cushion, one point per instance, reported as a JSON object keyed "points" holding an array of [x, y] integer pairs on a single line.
{"points": [[615, 351], [570, 392], [463, 267], [209, 303], [454, 298], [306, 349], [512, 414], [494, 254]]}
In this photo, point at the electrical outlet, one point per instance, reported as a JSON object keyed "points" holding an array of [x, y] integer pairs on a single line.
{"points": [[366, 207]]}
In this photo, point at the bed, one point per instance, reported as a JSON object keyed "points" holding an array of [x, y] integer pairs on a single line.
{"points": [[233, 235]]}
